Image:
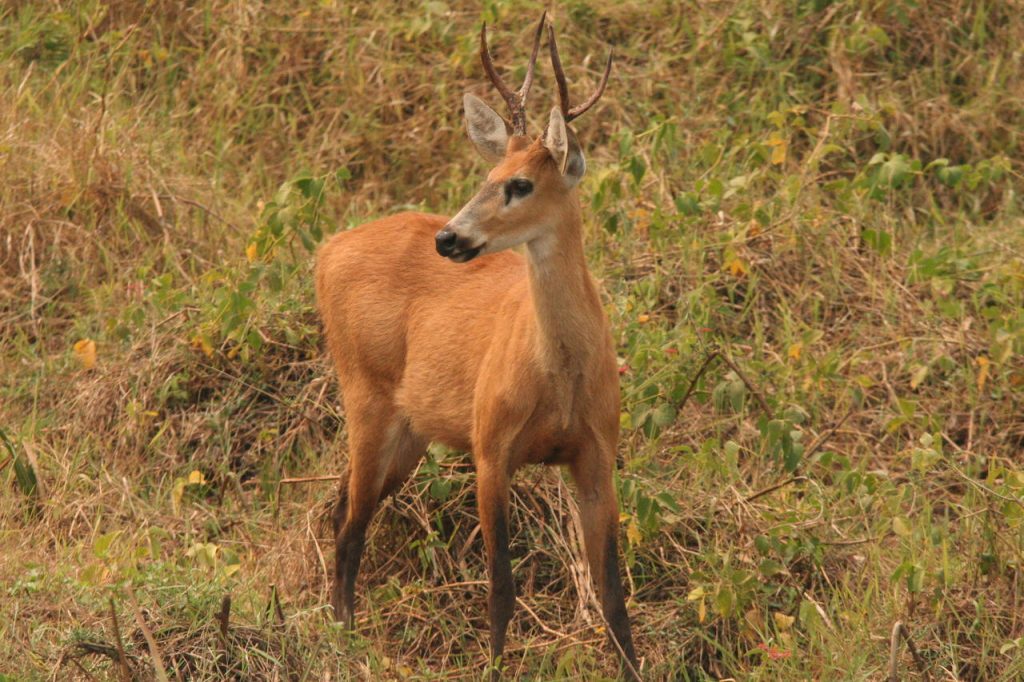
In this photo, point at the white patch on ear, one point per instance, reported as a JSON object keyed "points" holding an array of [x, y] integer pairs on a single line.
{"points": [[487, 129], [556, 140], [561, 142]]}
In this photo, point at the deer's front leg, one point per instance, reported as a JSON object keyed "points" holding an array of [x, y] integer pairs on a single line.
{"points": [[492, 498]]}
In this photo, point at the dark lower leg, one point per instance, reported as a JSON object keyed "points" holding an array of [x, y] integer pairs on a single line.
{"points": [[502, 596], [351, 517], [348, 555], [493, 500], [599, 517], [338, 519], [369, 478], [613, 601]]}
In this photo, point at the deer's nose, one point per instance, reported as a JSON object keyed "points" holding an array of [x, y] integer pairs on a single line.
{"points": [[444, 241]]}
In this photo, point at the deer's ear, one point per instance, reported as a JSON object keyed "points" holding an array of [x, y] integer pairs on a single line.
{"points": [[487, 129], [561, 143]]}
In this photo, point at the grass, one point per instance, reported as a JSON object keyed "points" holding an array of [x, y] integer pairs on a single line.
{"points": [[807, 220]]}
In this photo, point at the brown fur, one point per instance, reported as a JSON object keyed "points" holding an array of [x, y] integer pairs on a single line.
{"points": [[509, 357]]}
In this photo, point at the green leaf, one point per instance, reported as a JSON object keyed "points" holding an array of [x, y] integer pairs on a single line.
{"points": [[763, 544], [644, 509], [796, 414], [737, 395], [793, 453], [896, 170], [25, 476], [724, 601], [879, 240], [918, 376], [637, 168], [668, 501], [440, 488], [809, 616], [901, 526], [1011, 645], [732, 452], [951, 176], [311, 188], [664, 415], [687, 204], [101, 546], [24, 472]]}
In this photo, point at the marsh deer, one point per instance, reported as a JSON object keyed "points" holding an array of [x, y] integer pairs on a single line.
{"points": [[440, 333]]}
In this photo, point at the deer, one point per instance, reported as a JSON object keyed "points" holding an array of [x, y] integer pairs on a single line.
{"points": [[441, 332]]}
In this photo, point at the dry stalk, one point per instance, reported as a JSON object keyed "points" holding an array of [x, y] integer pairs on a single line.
{"points": [[154, 651], [900, 630], [773, 488], [122, 658]]}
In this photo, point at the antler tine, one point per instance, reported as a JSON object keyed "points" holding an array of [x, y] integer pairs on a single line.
{"points": [[576, 112], [556, 66], [528, 81], [563, 88], [485, 57], [516, 101]]}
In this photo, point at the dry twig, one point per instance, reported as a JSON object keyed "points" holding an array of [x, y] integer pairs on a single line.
{"points": [[900, 630], [749, 384], [154, 650], [122, 658]]}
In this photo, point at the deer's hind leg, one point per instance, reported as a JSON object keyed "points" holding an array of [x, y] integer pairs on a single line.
{"points": [[383, 451], [599, 515]]}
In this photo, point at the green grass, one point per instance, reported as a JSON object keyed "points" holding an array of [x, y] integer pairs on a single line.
{"points": [[816, 203]]}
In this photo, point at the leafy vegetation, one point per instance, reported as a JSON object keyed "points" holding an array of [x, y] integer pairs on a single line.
{"points": [[807, 219]]}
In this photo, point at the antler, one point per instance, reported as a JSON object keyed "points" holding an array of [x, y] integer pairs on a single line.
{"points": [[563, 89], [516, 101]]}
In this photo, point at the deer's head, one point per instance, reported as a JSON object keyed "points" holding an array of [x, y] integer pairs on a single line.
{"points": [[529, 186]]}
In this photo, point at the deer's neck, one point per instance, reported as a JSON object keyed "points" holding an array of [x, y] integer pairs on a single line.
{"points": [[569, 318]]}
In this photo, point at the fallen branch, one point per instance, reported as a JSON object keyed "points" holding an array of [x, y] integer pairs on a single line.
{"points": [[307, 479]]}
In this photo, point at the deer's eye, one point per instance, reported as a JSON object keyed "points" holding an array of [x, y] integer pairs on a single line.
{"points": [[517, 188]]}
